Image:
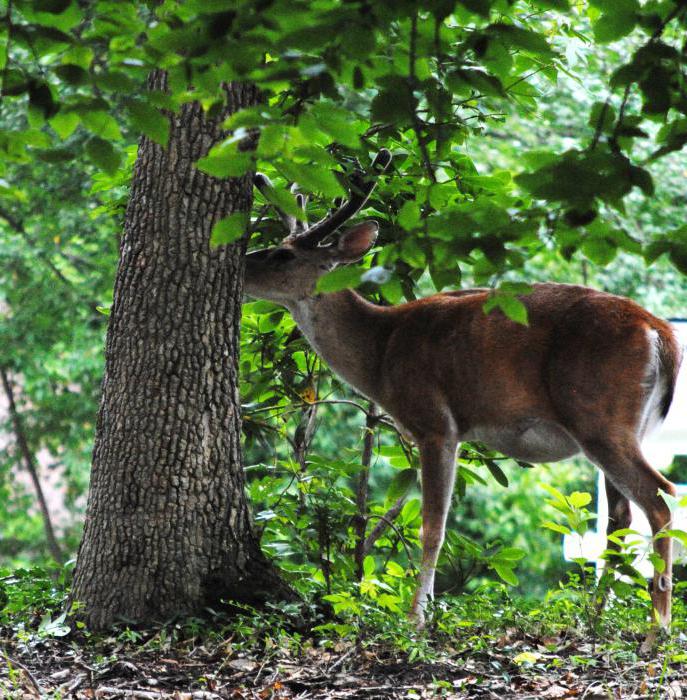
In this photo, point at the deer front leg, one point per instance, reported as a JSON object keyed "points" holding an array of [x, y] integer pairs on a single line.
{"points": [[438, 460]]}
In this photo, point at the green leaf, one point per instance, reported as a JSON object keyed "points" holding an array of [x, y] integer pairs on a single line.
{"points": [[313, 178], [53, 6], [410, 512], [497, 472], [101, 124], [103, 154], [618, 20], [510, 305], [223, 164], [401, 483], [149, 120], [680, 535], [41, 99], [557, 528], [481, 81], [284, 201], [64, 123], [557, 495], [626, 75], [510, 554], [341, 278], [657, 562], [520, 288], [478, 7], [505, 573], [409, 215], [336, 123], [599, 250], [602, 117], [525, 658], [395, 102], [579, 499], [394, 569], [562, 5], [521, 38], [229, 229], [656, 90], [55, 155], [72, 74]]}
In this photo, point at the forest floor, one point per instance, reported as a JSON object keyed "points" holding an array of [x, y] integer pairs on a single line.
{"points": [[513, 665]]}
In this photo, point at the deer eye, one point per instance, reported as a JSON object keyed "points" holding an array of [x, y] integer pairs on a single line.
{"points": [[282, 255]]}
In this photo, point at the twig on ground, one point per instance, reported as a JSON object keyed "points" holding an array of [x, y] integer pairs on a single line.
{"points": [[29, 675]]}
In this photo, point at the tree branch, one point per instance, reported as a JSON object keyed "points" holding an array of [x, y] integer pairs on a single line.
{"points": [[30, 464], [384, 523], [18, 226], [412, 80], [360, 521]]}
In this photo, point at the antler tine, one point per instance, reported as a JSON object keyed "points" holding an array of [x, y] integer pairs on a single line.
{"points": [[301, 201], [361, 190], [264, 185]]}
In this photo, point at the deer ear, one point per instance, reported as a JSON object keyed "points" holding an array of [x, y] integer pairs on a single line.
{"points": [[355, 242]]}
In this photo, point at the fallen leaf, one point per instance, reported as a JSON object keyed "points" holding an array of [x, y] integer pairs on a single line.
{"points": [[245, 665], [525, 657]]}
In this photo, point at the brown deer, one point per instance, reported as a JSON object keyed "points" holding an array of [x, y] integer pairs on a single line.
{"points": [[592, 373]]}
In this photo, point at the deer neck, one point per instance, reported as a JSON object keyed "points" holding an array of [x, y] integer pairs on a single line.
{"points": [[348, 333]]}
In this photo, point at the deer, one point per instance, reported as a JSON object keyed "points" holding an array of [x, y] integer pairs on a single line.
{"points": [[592, 373]]}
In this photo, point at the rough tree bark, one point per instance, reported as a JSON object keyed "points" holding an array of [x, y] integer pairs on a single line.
{"points": [[168, 528]]}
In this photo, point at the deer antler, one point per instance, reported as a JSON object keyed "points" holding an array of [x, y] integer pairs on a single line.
{"points": [[361, 189], [264, 184], [362, 186]]}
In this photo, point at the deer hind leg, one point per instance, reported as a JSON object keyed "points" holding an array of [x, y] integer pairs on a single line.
{"points": [[633, 477], [438, 459]]}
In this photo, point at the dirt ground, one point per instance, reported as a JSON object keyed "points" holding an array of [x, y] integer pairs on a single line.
{"points": [[515, 666]]}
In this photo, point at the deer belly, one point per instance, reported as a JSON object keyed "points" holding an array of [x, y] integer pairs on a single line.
{"points": [[528, 439]]}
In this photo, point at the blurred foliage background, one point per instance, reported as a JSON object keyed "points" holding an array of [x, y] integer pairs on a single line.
{"points": [[531, 140]]}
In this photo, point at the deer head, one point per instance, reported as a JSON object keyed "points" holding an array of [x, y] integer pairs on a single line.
{"points": [[290, 271]]}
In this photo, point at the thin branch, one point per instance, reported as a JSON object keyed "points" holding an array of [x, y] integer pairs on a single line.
{"points": [[30, 464], [258, 220], [283, 409], [679, 7], [18, 226], [392, 525], [29, 675], [412, 80], [360, 521], [383, 525], [526, 76], [613, 141], [8, 45], [599, 125]]}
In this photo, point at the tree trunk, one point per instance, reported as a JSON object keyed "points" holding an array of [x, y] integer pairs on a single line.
{"points": [[168, 528]]}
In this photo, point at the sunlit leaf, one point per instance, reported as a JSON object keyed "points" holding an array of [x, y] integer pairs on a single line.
{"points": [[103, 154], [229, 229]]}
